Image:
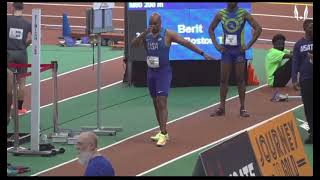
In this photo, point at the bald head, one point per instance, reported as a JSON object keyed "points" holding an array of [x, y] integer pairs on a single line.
{"points": [[87, 147], [155, 17], [155, 22], [88, 138]]}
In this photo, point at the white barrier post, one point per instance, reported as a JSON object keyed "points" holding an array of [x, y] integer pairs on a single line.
{"points": [[35, 96], [35, 90]]}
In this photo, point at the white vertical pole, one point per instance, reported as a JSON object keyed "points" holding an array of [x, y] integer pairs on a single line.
{"points": [[98, 82], [35, 96]]}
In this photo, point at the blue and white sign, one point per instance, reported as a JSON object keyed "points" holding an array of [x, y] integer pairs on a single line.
{"points": [[191, 21]]}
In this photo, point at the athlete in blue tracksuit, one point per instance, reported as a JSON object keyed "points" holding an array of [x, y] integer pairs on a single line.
{"points": [[303, 63], [233, 50], [157, 42]]}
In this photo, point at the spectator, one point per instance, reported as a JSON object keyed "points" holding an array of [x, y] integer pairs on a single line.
{"points": [[301, 63], [95, 163], [18, 39], [278, 63]]}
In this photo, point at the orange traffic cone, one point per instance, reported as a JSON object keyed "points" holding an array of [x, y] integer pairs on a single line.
{"points": [[252, 77]]}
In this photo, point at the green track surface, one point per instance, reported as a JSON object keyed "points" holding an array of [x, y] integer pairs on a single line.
{"points": [[70, 58]]}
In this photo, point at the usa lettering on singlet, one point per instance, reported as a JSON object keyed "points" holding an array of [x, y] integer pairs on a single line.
{"points": [[157, 51]]}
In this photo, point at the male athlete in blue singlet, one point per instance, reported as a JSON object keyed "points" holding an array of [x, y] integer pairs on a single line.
{"points": [[233, 50], [157, 42]]}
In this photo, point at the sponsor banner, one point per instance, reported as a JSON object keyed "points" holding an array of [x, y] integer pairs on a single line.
{"points": [[233, 157], [278, 148], [190, 20]]}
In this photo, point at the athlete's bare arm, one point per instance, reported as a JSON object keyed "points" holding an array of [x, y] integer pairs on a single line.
{"points": [[140, 40], [257, 29], [29, 39], [212, 27], [174, 37]]}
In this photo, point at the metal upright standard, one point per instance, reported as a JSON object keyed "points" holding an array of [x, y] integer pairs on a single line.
{"points": [[35, 113], [16, 149], [99, 20], [99, 130], [59, 135]]}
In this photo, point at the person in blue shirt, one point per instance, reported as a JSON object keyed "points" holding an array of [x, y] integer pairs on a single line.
{"points": [[157, 41], [303, 64], [95, 163], [233, 50]]}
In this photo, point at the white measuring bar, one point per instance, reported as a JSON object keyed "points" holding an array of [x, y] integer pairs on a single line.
{"points": [[35, 90]]}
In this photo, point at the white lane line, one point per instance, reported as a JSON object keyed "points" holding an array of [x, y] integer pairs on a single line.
{"points": [[292, 4], [69, 98], [68, 72], [216, 142], [82, 27], [272, 15], [284, 30], [304, 124], [130, 137], [53, 16], [270, 40], [71, 17], [301, 120], [109, 85]]}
